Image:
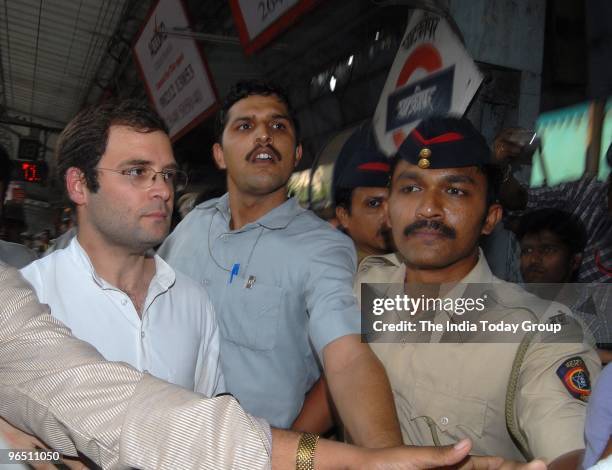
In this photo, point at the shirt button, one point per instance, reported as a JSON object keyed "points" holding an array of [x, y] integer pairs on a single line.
{"points": [[205, 282], [146, 371], [443, 420], [124, 302], [142, 334]]}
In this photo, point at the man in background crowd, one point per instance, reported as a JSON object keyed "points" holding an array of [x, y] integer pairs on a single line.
{"points": [[359, 185], [552, 242]]}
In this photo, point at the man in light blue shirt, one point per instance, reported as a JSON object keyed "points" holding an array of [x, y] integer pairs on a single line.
{"points": [[280, 278]]}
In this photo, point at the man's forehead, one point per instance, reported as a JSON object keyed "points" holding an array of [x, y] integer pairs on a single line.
{"points": [[405, 169], [541, 236], [371, 191], [258, 104], [130, 144]]}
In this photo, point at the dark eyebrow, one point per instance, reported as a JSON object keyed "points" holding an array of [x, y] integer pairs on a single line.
{"points": [[136, 161], [240, 119], [142, 162], [273, 116], [460, 179]]}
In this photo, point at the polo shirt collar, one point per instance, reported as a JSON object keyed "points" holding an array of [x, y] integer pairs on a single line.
{"points": [[277, 218]]}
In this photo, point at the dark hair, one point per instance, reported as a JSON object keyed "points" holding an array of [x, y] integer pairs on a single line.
{"points": [[492, 172], [245, 88], [343, 197], [564, 225], [83, 141]]}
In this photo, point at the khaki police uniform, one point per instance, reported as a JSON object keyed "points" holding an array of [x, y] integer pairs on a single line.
{"points": [[448, 391]]}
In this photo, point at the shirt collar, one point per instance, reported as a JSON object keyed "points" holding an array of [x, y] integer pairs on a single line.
{"points": [[277, 218], [481, 273], [163, 279]]}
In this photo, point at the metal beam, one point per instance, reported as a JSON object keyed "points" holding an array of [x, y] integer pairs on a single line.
{"points": [[33, 125]]}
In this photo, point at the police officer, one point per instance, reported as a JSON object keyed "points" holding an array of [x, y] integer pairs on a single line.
{"points": [[521, 399], [359, 183]]}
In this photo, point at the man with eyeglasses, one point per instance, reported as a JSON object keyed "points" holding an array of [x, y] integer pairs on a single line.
{"points": [[108, 286]]}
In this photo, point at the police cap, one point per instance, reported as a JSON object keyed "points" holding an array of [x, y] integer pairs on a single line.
{"points": [[360, 162], [445, 142]]}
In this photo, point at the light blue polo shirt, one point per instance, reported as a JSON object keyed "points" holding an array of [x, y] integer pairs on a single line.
{"points": [[282, 290]]}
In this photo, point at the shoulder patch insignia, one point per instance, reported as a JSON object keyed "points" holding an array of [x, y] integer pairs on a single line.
{"points": [[575, 376]]}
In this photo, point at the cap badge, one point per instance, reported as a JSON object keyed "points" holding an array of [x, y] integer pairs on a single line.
{"points": [[424, 156]]}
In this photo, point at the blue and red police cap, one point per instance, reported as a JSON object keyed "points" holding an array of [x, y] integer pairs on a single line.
{"points": [[445, 142], [360, 162]]}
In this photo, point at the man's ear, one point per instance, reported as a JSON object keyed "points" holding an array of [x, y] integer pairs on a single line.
{"points": [[298, 154], [219, 156], [76, 187], [494, 215], [343, 216]]}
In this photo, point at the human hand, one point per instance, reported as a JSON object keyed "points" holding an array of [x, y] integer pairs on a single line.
{"points": [[416, 458], [448, 457]]}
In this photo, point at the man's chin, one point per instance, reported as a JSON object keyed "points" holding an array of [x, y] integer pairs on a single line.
{"points": [[427, 264]]}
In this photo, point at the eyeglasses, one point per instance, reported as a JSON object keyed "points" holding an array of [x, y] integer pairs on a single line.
{"points": [[143, 177]]}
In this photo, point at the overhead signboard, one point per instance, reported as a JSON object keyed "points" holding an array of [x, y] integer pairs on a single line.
{"points": [[259, 21], [432, 74], [174, 70]]}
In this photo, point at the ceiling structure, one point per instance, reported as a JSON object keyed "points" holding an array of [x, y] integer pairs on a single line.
{"points": [[51, 51], [57, 55]]}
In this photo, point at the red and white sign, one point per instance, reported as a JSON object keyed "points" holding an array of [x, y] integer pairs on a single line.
{"points": [[260, 21], [432, 74], [173, 68]]}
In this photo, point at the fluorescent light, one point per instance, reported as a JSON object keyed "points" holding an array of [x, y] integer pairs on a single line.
{"points": [[332, 83], [350, 60]]}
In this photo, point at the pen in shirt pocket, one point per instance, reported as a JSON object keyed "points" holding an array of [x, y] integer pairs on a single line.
{"points": [[234, 272]]}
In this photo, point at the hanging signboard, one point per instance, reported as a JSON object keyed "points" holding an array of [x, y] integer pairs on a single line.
{"points": [[432, 74], [259, 21], [173, 68]]}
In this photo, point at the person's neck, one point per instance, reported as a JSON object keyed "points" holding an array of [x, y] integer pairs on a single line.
{"points": [[127, 269], [246, 208], [452, 273]]}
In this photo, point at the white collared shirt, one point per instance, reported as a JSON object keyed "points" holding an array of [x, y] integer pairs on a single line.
{"points": [[176, 339]]}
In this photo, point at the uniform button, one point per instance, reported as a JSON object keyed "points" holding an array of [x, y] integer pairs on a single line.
{"points": [[142, 334], [443, 420]]}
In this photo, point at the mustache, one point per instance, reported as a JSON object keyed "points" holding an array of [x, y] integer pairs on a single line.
{"points": [[430, 225], [267, 148]]}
